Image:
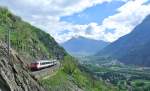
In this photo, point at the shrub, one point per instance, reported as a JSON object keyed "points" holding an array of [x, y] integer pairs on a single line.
{"points": [[69, 65]]}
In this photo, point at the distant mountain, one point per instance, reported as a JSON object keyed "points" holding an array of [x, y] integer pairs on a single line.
{"points": [[84, 46], [133, 48]]}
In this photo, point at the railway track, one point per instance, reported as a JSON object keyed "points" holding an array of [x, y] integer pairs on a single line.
{"points": [[45, 72]]}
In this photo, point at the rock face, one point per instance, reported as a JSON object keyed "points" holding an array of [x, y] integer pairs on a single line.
{"points": [[13, 74]]}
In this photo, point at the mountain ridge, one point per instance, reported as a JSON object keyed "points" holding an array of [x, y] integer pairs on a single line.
{"points": [[83, 46], [131, 48]]}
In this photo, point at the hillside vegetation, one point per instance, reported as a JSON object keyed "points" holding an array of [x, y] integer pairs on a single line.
{"points": [[32, 44]]}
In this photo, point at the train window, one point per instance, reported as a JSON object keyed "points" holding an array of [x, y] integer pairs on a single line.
{"points": [[45, 63], [34, 63], [42, 63]]}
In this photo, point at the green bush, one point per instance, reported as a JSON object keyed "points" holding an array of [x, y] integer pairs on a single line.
{"points": [[139, 84], [69, 65]]}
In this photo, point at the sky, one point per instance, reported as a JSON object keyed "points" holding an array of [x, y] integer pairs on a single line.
{"points": [[105, 20]]}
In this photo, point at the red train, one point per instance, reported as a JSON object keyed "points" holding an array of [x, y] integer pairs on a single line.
{"points": [[41, 64]]}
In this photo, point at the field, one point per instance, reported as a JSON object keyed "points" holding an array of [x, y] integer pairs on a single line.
{"points": [[127, 78]]}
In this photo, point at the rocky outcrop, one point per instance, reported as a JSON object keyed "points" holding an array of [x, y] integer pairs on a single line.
{"points": [[13, 74]]}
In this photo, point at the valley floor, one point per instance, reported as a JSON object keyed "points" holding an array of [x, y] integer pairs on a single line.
{"points": [[126, 78]]}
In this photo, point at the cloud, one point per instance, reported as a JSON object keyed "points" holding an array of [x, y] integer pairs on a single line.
{"points": [[128, 17], [51, 7], [46, 15]]}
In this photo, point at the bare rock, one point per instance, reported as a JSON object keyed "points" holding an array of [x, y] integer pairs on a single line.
{"points": [[13, 74]]}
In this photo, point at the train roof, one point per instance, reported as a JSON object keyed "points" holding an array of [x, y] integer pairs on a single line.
{"points": [[44, 61]]}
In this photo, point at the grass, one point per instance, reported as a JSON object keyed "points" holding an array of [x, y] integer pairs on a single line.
{"points": [[64, 82], [70, 77]]}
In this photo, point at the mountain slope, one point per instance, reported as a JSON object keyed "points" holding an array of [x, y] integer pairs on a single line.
{"points": [[83, 46], [30, 42], [132, 48]]}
